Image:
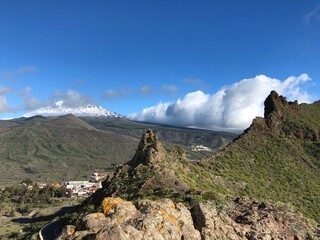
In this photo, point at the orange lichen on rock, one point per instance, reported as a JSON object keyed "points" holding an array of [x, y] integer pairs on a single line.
{"points": [[98, 215], [70, 230], [111, 203], [171, 218]]}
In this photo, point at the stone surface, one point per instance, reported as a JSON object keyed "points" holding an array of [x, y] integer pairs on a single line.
{"points": [[156, 220], [163, 219], [148, 151], [215, 225], [251, 220]]}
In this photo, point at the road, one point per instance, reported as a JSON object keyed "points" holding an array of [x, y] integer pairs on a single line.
{"points": [[52, 230]]}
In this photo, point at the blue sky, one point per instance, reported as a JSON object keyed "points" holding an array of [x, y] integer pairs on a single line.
{"points": [[147, 57]]}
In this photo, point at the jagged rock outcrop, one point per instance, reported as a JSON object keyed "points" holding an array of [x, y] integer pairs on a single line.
{"points": [[275, 109], [150, 168], [163, 219], [275, 103], [278, 117], [149, 150]]}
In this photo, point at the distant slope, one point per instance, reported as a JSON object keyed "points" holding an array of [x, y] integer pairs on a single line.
{"points": [[60, 148], [67, 147], [167, 134]]}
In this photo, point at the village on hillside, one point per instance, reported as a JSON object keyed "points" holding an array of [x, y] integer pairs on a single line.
{"points": [[81, 188]]}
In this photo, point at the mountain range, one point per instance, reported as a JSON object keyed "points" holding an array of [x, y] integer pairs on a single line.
{"points": [[74, 147]]}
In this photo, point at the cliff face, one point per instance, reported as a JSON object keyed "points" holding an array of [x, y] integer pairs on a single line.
{"points": [[284, 118]]}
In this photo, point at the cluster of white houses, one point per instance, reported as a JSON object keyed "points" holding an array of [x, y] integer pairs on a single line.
{"points": [[84, 188], [199, 148]]}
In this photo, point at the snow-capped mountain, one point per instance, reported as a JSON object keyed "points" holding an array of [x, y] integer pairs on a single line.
{"points": [[59, 109]]}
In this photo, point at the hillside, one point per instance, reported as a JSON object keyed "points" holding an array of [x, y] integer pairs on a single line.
{"points": [[275, 163], [32, 147], [168, 135], [278, 157], [51, 149]]}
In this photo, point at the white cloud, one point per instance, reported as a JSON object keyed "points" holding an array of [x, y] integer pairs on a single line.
{"points": [[145, 90], [195, 82], [4, 90], [163, 89], [4, 105], [232, 108], [314, 14], [15, 74], [111, 94], [72, 98], [30, 103], [169, 88], [26, 69]]}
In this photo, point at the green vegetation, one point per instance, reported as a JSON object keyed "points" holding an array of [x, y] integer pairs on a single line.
{"points": [[32, 147], [279, 162], [23, 198], [25, 208], [282, 167]]}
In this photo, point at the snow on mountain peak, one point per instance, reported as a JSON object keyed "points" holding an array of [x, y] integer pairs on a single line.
{"points": [[59, 103], [59, 109]]}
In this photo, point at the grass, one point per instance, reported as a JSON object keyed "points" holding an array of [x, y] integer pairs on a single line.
{"points": [[280, 168]]}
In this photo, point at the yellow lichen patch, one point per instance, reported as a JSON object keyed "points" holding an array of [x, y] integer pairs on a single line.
{"points": [[162, 212], [171, 218], [120, 219], [172, 205], [98, 215], [110, 203]]}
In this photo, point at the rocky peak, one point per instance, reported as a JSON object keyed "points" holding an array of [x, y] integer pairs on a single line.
{"points": [[149, 150], [276, 103], [276, 110]]}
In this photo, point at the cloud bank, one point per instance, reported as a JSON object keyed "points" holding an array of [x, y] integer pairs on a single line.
{"points": [[231, 109]]}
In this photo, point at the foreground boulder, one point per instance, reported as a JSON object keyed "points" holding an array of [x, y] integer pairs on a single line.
{"points": [[251, 220], [146, 219], [163, 219]]}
